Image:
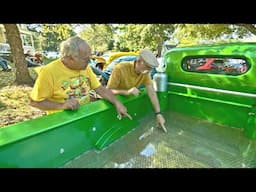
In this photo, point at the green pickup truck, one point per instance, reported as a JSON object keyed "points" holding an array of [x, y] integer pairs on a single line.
{"points": [[207, 94]]}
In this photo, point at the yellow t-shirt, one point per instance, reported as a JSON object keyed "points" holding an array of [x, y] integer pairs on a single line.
{"points": [[124, 77], [56, 82]]}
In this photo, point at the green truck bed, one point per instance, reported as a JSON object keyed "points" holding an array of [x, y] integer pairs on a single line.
{"points": [[209, 107]]}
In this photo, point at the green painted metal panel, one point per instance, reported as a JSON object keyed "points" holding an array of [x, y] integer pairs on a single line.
{"points": [[174, 57], [212, 110], [52, 140], [223, 99], [250, 130]]}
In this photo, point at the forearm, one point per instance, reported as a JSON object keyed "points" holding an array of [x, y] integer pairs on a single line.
{"points": [[106, 94], [119, 92], [47, 105], [153, 98]]}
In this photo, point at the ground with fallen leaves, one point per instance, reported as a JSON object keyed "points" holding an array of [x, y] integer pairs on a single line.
{"points": [[14, 100]]}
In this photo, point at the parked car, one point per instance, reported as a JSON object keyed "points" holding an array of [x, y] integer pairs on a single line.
{"points": [[105, 74], [113, 56], [98, 62], [52, 54]]}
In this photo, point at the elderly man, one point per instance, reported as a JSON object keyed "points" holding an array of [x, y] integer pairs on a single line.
{"points": [[126, 78], [66, 82]]}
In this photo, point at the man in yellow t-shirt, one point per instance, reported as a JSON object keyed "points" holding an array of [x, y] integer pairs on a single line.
{"points": [[66, 82], [126, 78]]}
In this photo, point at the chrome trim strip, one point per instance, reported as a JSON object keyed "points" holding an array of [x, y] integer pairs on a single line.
{"points": [[214, 90]]}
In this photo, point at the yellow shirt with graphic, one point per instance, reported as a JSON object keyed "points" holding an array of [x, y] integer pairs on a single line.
{"points": [[58, 83], [124, 77]]}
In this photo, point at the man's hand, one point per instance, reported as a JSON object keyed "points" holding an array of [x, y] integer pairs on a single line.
{"points": [[71, 104], [161, 122], [133, 91], [108, 94], [122, 110]]}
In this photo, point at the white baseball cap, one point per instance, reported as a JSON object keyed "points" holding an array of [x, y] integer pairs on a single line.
{"points": [[149, 58]]}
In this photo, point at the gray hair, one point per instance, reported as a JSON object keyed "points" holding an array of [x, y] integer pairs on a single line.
{"points": [[71, 46]]}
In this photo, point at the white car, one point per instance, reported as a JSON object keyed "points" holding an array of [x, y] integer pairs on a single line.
{"points": [[52, 54]]}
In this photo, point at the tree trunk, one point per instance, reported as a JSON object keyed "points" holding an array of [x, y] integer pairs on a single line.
{"points": [[14, 40], [160, 47]]}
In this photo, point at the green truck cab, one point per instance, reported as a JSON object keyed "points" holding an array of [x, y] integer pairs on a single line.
{"points": [[214, 82]]}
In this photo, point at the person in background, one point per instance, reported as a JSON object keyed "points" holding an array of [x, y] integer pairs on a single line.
{"points": [[4, 64], [126, 78], [65, 83], [30, 62], [38, 58]]}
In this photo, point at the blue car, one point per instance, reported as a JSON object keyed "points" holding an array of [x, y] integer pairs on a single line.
{"points": [[105, 74], [111, 66]]}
